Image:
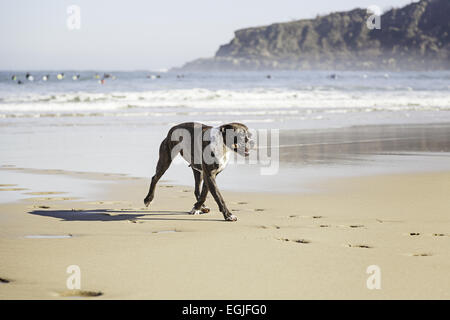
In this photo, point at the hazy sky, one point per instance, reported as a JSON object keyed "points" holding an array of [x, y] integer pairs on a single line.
{"points": [[140, 34]]}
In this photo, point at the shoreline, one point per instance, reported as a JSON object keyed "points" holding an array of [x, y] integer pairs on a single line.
{"points": [[308, 155], [284, 246]]}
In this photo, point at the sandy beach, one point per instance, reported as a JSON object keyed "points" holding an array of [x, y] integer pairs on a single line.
{"points": [[284, 246], [320, 129]]}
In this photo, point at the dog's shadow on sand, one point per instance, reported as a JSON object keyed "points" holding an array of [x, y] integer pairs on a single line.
{"points": [[116, 215]]}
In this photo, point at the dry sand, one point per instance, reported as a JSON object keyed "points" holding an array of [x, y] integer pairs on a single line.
{"points": [[284, 246]]}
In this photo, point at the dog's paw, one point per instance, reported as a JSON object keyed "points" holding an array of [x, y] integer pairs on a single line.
{"points": [[195, 211], [148, 199], [205, 209], [231, 218]]}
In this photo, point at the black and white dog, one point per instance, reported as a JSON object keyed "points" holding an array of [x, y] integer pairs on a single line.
{"points": [[207, 150]]}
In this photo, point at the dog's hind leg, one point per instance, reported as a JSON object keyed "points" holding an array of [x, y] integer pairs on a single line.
{"points": [[198, 177], [199, 206], [164, 161], [198, 181]]}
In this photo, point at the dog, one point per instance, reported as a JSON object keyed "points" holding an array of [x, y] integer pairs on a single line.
{"points": [[207, 150]]}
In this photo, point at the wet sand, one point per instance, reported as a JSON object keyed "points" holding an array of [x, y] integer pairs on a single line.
{"points": [[307, 155], [352, 144], [284, 246]]}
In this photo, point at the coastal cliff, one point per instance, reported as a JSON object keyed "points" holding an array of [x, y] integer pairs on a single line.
{"points": [[415, 37]]}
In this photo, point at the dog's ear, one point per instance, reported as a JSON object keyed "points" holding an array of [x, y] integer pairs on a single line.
{"points": [[226, 127]]}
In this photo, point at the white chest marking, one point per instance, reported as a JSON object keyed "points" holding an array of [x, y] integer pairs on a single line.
{"points": [[221, 152]]}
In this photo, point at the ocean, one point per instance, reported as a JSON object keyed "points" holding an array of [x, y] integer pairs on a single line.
{"points": [[116, 125], [293, 100]]}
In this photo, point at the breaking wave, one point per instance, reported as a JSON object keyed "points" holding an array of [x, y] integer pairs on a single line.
{"points": [[256, 101]]}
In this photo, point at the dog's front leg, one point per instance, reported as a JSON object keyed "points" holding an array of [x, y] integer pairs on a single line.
{"points": [[210, 180]]}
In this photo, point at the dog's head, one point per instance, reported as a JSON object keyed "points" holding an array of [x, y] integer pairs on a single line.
{"points": [[238, 138]]}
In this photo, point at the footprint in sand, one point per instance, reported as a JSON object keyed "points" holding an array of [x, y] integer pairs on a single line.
{"points": [[7, 185], [259, 210], [307, 217], [414, 234], [241, 202], [302, 241], [354, 226], [3, 280], [165, 231], [423, 254], [439, 235], [324, 226], [363, 246], [134, 221], [40, 207], [80, 293], [268, 227]]}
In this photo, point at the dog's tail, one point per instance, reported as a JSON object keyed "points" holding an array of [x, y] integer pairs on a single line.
{"points": [[165, 149]]}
